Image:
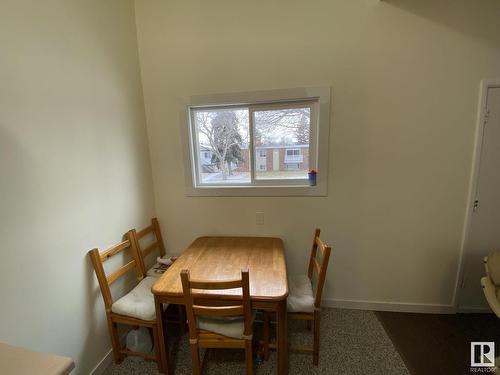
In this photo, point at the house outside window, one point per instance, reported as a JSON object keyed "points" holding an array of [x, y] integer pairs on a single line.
{"points": [[294, 156]]}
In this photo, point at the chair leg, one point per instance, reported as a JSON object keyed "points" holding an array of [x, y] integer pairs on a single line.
{"points": [[157, 347], [195, 359], [248, 357], [265, 338], [115, 340], [162, 339], [316, 323], [182, 319]]}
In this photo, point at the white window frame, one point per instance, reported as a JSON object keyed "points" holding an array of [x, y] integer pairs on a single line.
{"points": [[318, 146]]}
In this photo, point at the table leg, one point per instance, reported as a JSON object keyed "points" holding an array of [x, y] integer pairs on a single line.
{"points": [[282, 339], [163, 367]]}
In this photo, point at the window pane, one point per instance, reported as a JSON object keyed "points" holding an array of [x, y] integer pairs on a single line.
{"points": [[222, 149], [281, 141]]}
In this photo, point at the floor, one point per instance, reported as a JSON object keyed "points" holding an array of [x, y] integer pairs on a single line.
{"points": [[439, 343], [352, 342]]}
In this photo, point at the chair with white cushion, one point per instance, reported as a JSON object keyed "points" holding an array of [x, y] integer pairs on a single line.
{"points": [[491, 286], [145, 249], [136, 308], [304, 300], [215, 324], [491, 282]]}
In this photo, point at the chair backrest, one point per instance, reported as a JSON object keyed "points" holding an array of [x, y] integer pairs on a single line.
{"points": [[318, 267], [209, 305], [106, 280], [158, 243]]}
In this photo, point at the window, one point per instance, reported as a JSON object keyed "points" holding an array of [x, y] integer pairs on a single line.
{"points": [[261, 143], [225, 131], [232, 134]]}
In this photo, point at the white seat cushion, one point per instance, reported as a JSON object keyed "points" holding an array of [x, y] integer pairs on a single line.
{"points": [[226, 326], [300, 297], [139, 302]]}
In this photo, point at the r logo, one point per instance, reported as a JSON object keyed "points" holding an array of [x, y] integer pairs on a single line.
{"points": [[482, 354]]}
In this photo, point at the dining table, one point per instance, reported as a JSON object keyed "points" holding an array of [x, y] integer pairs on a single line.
{"points": [[220, 259]]}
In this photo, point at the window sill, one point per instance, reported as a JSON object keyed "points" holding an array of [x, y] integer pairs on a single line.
{"points": [[258, 191]]}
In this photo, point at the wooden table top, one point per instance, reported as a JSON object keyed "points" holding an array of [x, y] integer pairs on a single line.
{"points": [[222, 258]]}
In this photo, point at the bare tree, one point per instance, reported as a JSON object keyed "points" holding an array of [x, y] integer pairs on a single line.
{"points": [[303, 129], [221, 130], [281, 124]]}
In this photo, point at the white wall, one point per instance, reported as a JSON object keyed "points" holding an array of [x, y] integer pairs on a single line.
{"points": [[405, 76], [74, 167]]}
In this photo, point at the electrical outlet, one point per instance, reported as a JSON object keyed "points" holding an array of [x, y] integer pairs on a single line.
{"points": [[259, 218]]}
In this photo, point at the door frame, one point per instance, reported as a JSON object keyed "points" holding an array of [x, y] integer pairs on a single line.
{"points": [[485, 85]]}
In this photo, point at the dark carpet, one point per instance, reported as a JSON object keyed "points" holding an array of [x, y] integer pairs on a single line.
{"points": [[353, 342], [439, 343]]}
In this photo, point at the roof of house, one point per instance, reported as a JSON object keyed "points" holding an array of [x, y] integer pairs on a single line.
{"points": [[208, 148], [280, 146]]}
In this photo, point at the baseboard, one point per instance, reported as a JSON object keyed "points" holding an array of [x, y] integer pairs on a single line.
{"points": [[390, 306], [107, 359], [474, 310], [103, 364]]}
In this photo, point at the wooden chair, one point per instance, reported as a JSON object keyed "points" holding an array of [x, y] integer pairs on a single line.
{"points": [[491, 282], [304, 301], [214, 326], [491, 286], [158, 244], [143, 252], [137, 308]]}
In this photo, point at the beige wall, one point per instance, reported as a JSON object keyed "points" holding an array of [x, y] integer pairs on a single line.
{"points": [[74, 166], [405, 76]]}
